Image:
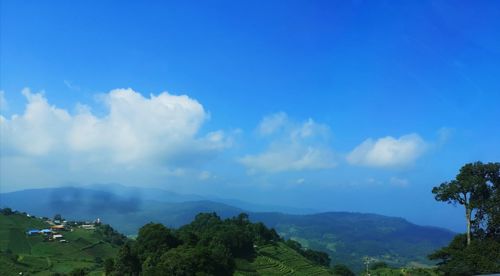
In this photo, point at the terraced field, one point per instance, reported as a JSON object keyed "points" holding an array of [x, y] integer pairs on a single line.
{"points": [[279, 260], [23, 253]]}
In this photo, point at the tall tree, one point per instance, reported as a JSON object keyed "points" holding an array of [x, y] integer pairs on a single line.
{"points": [[469, 188]]}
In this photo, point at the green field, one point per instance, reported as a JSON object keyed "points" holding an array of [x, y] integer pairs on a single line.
{"points": [[32, 255], [278, 259]]}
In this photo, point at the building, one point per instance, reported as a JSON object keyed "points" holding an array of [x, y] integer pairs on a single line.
{"points": [[88, 226], [33, 232], [57, 227]]}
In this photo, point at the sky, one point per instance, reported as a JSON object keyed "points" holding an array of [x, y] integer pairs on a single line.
{"points": [[357, 105]]}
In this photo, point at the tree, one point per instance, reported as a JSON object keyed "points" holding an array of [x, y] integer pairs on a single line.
{"points": [[487, 221], [469, 189], [7, 211], [78, 272], [58, 217], [109, 266], [127, 262], [378, 265], [154, 239], [342, 270], [477, 187], [458, 258]]}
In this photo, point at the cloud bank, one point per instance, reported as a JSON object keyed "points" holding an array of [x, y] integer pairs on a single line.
{"points": [[293, 146], [388, 151], [136, 129]]}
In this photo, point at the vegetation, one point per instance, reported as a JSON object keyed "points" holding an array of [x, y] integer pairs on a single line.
{"points": [[212, 246], [345, 237], [477, 188], [348, 237], [83, 251], [317, 257]]}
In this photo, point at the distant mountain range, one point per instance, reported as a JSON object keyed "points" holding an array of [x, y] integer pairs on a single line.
{"points": [[347, 237]]}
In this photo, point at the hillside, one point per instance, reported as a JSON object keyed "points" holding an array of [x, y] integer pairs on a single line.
{"points": [[23, 253], [20, 252], [346, 237], [278, 259]]}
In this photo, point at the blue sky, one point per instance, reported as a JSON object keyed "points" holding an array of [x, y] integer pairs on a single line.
{"points": [[331, 105]]}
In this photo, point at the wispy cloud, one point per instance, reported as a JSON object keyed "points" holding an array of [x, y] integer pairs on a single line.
{"points": [[399, 182], [272, 123], [71, 85]]}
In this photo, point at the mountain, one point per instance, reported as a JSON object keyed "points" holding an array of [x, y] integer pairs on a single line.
{"points": [[156, 194], [346, 237]]}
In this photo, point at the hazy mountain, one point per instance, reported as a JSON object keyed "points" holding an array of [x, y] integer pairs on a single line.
{"points": [[158, 194], [347, 237]]}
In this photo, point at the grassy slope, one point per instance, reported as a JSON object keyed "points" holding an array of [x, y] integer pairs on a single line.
{"points": [[32, 254], [403, 272], [278, 260]]}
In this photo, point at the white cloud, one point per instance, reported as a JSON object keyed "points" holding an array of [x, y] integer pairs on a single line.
{"points": [[300, 181], [301, 146], [270, 124], [137, 129], [388, 151], [399, 182], [3, 101]]}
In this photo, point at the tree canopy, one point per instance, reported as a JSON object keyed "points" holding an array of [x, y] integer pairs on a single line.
{"points": [[206, 246], [477, 188]]}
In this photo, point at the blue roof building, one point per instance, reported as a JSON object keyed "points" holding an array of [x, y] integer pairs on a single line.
{"points": [[33, 232]]}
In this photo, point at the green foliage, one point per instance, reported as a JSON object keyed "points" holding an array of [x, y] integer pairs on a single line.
{"points": [[78, 272], [480, 257], [109, 266], [111, 235], [477, 186], [377, 265], [154, 239], [186, 260], [342, 270], [206, 246], [7, 211], [127, 262]]}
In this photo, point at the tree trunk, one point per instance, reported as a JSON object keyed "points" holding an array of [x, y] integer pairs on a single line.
{"points": [[467, 217]]}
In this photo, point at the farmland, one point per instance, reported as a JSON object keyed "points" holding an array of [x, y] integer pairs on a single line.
{"points": [[32, 254], [279, 259]]}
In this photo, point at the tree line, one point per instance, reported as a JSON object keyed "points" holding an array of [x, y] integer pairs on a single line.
{"points": [[206, 246]]}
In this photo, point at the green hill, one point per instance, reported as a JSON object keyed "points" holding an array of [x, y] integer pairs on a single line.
{"points": [[33, 255], [278, 259]]}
